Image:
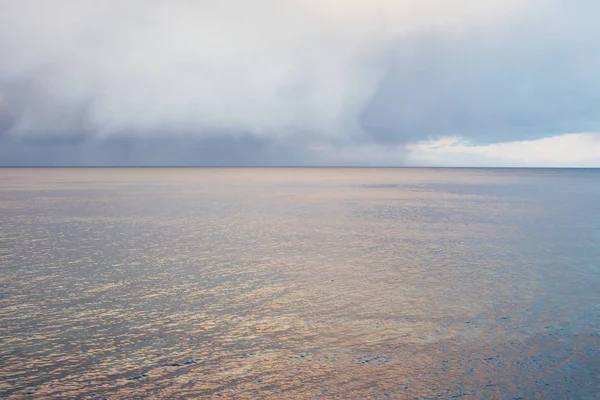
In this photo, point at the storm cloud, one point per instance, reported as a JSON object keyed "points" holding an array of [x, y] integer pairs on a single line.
{"points": [[289, 82]]}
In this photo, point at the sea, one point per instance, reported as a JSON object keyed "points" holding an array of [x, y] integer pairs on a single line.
{"points": [[299, 283]]}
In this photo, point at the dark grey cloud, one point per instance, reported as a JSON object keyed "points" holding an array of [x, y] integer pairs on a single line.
{"points": [[536, 78], [288, 83], [157, 151]]}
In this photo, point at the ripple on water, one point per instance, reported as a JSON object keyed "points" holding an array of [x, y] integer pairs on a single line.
{"points": [[298, 283]]}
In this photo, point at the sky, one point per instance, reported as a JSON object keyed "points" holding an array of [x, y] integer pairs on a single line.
{"points": [[300, 82]]}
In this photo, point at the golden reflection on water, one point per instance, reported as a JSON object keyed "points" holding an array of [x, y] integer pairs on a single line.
{"points": [[273, 283]]}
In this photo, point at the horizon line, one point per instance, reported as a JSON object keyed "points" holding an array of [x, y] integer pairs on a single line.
{"points": [[278, 167]]}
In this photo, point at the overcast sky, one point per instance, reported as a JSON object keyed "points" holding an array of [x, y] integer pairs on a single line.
{"points": [[300, 82]]}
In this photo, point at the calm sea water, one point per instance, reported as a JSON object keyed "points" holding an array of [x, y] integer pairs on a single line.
{"points": [[300, 283]]}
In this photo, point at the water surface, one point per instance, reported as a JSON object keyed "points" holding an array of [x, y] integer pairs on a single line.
{"points": [[300, 283]]}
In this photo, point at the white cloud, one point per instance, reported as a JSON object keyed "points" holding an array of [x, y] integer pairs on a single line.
{"points": [[268, 67], [570, 150]]}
